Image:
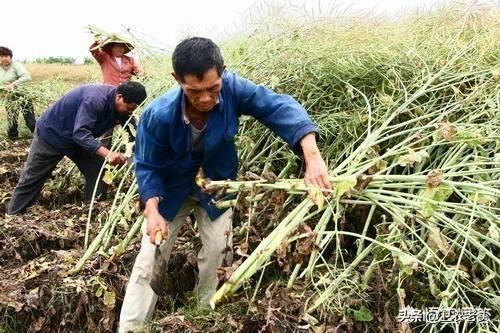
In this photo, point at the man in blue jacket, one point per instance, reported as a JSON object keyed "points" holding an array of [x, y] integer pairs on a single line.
{"points": [[70, 128], [191, 126]]}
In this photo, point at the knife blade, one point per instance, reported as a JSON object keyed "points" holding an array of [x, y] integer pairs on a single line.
{"points": [[159, 267]]}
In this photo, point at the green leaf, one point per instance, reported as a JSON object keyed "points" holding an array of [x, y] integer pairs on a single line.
{"points": [[99, 291], [317, 195], [473, 139], [442, 193], [123, 221], [432, 196], [382, 164], [108, 177], [344, 186], [364, 314], [109, 299]]}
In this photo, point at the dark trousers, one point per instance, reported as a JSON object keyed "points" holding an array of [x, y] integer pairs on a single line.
{"points": [[42, 160], [15, 103]]}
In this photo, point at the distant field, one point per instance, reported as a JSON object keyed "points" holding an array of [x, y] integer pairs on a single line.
{"points": [[76, 74], [50, 81]]}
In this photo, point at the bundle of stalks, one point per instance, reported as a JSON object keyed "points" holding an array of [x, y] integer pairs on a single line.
{"points": [[409, 122], [412, 137]]}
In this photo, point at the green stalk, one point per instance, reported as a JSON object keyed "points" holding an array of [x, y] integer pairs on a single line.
{"points": [[262, 253], [92, 248], [120, 249], [332, 288]]}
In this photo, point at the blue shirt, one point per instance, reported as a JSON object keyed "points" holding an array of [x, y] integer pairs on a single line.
{"points": [[78, 118], [164, 164]]}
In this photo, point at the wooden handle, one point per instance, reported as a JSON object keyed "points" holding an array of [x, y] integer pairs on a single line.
{"points": [[158, 237]]}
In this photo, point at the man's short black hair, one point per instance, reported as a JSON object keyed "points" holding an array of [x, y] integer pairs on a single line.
{"points": [[132, 92], [196, 55], [5, 51]]}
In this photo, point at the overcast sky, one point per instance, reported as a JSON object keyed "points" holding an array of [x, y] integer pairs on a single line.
{"points": [[42, 28]]}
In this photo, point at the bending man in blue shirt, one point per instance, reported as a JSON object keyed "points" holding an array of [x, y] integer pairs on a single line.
{"points": [[70, 128], [191, 126]]}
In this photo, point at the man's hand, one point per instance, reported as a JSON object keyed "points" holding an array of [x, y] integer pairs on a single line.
{"points": [[316, 170], [9, 87], [116, 158], [155, 220], [112, 157]]}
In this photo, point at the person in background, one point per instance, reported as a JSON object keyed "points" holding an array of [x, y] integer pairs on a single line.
{"points": [[116, 68], [12, 76], [69, 128]]}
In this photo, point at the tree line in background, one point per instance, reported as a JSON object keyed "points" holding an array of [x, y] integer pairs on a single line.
{"points": [[61, 60]]}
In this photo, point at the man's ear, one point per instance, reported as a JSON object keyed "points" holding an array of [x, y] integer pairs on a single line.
{"points": [[176, 77]]}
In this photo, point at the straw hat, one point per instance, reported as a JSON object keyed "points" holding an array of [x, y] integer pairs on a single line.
{"points": [[108, 42]]}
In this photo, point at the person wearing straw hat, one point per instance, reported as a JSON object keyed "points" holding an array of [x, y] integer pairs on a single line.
{"points": [[13, 75], [193, 126], [116, 67]]}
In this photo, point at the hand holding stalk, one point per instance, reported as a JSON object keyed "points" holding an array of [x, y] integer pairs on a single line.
{"points": [[316, 170], [112, 157], [155, 221], [9, 87]]}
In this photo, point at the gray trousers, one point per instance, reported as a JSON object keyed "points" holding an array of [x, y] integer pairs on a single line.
{"points": [[42, 160], [217, 238]]}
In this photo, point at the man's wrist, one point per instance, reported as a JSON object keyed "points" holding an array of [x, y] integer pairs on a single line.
{"points": [[102, 151], [151, 206], [309, 147]]}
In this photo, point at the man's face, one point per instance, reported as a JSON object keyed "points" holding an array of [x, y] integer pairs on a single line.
{"points": [[122, 108], [5, 60], [201, 94], [118, 50]]}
